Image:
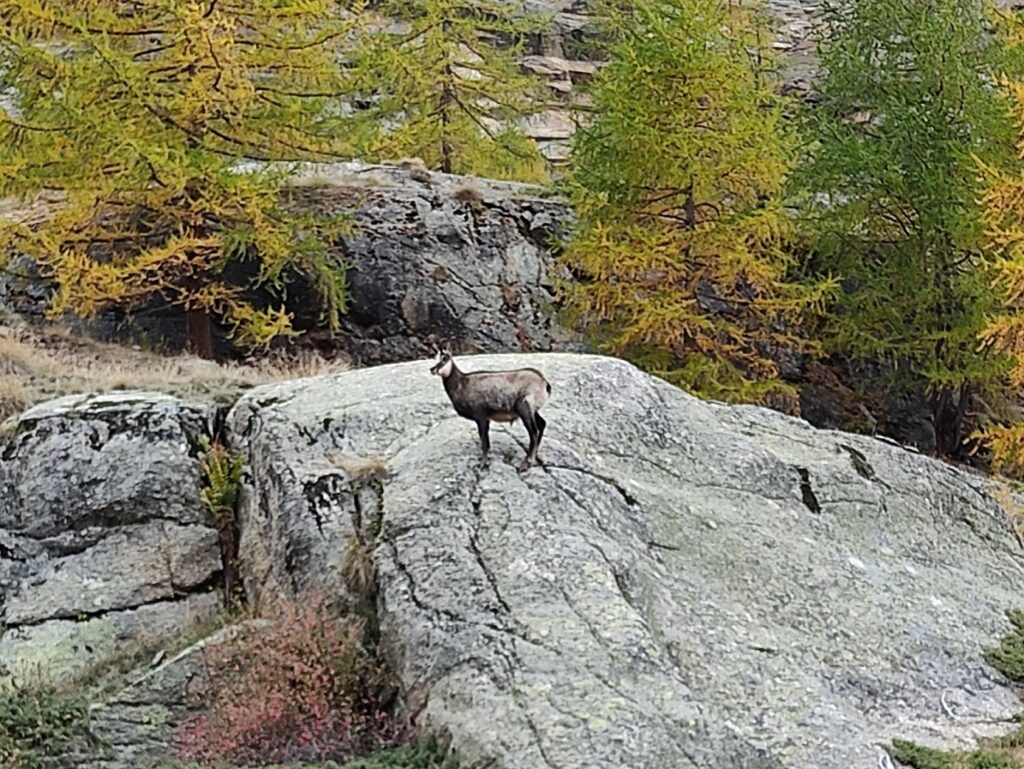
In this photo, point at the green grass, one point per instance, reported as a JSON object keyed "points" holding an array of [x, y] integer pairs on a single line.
{"points": [[40, 725], [1006, 752]]}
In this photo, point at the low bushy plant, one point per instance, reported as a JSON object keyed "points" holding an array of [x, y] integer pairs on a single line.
{"points": [[39, 726], [423, 755], [300, 688]]}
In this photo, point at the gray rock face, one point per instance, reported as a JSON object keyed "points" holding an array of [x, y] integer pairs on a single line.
{"points": [[136, 726], [105, 544], [681, 584], [462, 258]]}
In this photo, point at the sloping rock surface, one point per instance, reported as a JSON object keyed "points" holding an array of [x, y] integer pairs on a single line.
{"points": [[105, 544], [136, 727], [681, 584]]}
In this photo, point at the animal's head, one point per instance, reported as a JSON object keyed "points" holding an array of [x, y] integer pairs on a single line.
{"points": [[443, 362]]}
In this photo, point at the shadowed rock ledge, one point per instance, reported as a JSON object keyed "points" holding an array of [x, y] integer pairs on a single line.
{"points": [[681, 584]]}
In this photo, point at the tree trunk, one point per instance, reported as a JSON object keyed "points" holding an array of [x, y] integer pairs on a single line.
{"points": [[200, 334], [949, 409], [447, 100], [446, 147], [690, 209]]}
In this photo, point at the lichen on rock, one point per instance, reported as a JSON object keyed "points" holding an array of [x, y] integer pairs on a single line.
{"points": [[105, 544]]}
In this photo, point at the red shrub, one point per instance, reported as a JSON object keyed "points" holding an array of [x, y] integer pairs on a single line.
{"points": [[302, 688]]}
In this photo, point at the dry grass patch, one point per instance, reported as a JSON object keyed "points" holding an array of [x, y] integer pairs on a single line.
{"points": [[39, 364], [372, 468], [14, 397]]}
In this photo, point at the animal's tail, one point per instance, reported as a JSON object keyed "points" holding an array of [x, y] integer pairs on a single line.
{"points": [[549, 387]]}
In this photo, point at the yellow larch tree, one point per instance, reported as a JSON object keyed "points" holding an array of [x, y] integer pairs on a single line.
{"points": [[141, 118], [680, 255]]}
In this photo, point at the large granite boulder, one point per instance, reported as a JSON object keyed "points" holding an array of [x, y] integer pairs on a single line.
{"points": [[679, 584], [105, 544]]}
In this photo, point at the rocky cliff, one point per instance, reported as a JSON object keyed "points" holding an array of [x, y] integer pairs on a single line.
{"points": [[678, 584]]}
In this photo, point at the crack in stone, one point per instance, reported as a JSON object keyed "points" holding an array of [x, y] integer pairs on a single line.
{"points": [[662, 546], [92, 525], [518, 700], [7, 553], [807, 492], [428, 609], [208, 585], [861, 465], [848, 501], [590, 513], [474, 545], [584, 619], [488, 574], [411, 583], [629, 498]]}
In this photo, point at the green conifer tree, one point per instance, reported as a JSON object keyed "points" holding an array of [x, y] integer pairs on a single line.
{"points": [[905, 108], [680, 252], [441, 81], [136, 115]]}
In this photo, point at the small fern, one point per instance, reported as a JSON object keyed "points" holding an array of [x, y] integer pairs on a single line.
{"points": [[223, 472]]}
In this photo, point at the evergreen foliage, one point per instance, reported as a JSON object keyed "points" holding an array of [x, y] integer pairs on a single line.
{"points": [[890, 186], [443, 83], [681, 248], [40, 726], [136, 116], [1003, 218]]}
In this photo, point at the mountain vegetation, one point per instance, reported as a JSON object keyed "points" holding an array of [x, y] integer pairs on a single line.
{"points": [[890, 181], [681, 255], [726, 234]]}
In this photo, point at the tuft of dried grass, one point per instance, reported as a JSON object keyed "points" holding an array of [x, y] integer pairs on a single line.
{"points": [[358, 570], [358, 469], [14, 397]]}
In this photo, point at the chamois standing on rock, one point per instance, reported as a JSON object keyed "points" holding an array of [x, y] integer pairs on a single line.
{"points": [[496, 396]]}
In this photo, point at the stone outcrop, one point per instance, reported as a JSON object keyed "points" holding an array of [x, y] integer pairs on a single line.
{"points": [[680, 584], [436, 254], [105, 544]]}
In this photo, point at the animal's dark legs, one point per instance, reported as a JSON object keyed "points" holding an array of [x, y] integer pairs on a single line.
{"points": [[483, 427], [541, 424], [526, 414]]}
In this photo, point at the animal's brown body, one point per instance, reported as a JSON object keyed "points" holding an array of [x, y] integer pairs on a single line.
{"points": [[496, 396]]}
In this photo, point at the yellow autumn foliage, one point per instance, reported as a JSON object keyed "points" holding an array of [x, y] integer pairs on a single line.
{"points": [[140, 115]]}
